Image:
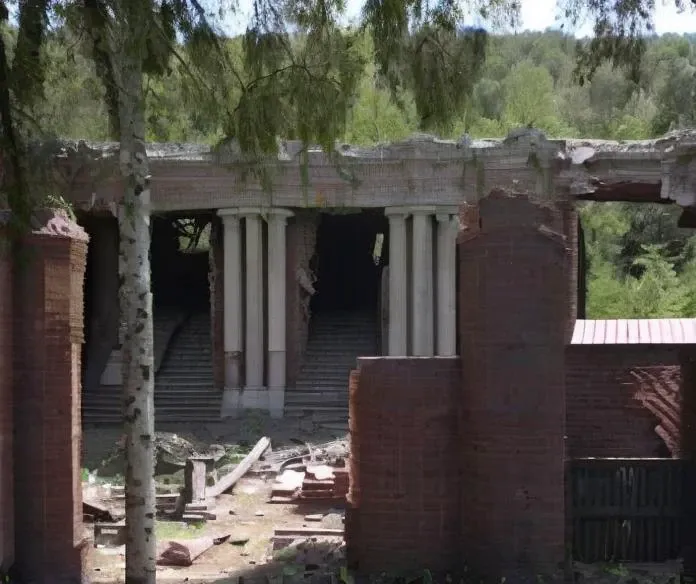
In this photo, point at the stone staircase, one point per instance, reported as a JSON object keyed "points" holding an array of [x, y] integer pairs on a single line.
{"points": [[183, 385], [184, 389], [336, 340]]}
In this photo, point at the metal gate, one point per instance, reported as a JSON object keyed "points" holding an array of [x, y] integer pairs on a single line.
{"points": [[626, 510]]}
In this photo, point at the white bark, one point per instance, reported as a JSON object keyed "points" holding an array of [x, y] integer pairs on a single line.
{"points": [[135, 297]]}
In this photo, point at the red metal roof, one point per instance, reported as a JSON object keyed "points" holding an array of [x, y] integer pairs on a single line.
{"points": [[647, 331]]}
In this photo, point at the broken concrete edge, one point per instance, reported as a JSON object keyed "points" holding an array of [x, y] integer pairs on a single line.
{"points": [[50, 221], [417, 146]]}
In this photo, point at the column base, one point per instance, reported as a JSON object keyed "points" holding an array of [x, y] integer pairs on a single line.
{"points": [[252, 398], [276, 402]]}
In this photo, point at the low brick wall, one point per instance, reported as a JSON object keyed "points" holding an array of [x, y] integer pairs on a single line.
{"points": [[623, 400], [404, 495], [48, 337]]}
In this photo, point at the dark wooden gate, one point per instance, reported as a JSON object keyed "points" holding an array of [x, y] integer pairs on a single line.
{"points": [[627, 510]]}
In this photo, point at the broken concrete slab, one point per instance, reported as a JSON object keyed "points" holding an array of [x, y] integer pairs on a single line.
{"points": [[185, 552]]}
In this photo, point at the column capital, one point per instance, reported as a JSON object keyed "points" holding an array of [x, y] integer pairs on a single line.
{"points": [[228, 216], [397, 212], [278, 214]]}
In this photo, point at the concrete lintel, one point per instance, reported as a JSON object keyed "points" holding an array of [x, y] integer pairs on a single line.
{"points": [[425, 210], [419, 210], [445, 213]]}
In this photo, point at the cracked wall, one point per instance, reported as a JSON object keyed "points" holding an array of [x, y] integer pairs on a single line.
{"points": [[217, 302], [301, 246]]}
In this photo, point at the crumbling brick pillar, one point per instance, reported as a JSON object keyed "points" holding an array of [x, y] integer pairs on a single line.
{"points": [[513, 307], [49, 277], [6, 423]]}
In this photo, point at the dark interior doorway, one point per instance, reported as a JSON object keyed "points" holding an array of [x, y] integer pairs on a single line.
{"points": [[180, 262], [347, 262]]}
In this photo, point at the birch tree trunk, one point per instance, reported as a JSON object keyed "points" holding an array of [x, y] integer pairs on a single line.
{"points": [[135, 297]]}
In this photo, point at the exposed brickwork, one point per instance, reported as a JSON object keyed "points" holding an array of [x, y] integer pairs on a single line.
{"points": [[301, 244], [513, 311], [6, 423], [618, 396], [403, 499], [217, 301], [570, 229], [48, 338]]}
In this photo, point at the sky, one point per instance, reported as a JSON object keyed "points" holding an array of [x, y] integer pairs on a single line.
{"points": [[536, 15]]}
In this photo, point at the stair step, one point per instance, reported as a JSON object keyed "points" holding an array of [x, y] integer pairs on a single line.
{"points": [[183, 385], [335, 343]]}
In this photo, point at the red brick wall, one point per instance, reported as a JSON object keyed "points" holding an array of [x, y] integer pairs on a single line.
{"points": [[403, 500], [617, 396], [6, 424], [48, 338], [514, 291]]}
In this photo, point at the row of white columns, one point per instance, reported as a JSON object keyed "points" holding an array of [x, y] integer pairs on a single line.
{"points": [[432, 320], [244, 332]]}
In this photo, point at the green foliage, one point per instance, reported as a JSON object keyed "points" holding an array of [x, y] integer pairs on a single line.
{"points": [[296, 73], [641, 265]]}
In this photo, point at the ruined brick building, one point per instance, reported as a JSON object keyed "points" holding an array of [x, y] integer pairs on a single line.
{"points": [[454, 269]]}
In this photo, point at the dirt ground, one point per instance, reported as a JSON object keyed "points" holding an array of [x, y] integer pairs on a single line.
{"points": [[245, 513]]}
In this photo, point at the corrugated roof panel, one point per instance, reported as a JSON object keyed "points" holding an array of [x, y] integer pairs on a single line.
{"points": [[690, 331], [648, 331], [578, 332], [633, 332], [600, 331], [621, 331]]}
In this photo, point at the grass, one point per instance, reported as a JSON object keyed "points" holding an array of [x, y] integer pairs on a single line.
{"points": [[234, 454], [174, 530]]}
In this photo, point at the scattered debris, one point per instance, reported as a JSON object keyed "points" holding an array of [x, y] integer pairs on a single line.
{"points": [[320, 482], [109, 534], [185, 552], [332, 453], [227, 482], [98, 511], [314, 517]]}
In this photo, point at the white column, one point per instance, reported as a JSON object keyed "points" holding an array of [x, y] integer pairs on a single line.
{"points": [[397, 342], [277, 261], [254, 354], [232, 285], [446, 285], [422, 274]]}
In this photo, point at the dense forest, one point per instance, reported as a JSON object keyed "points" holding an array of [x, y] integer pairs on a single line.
{"points": [[640, 263]]}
